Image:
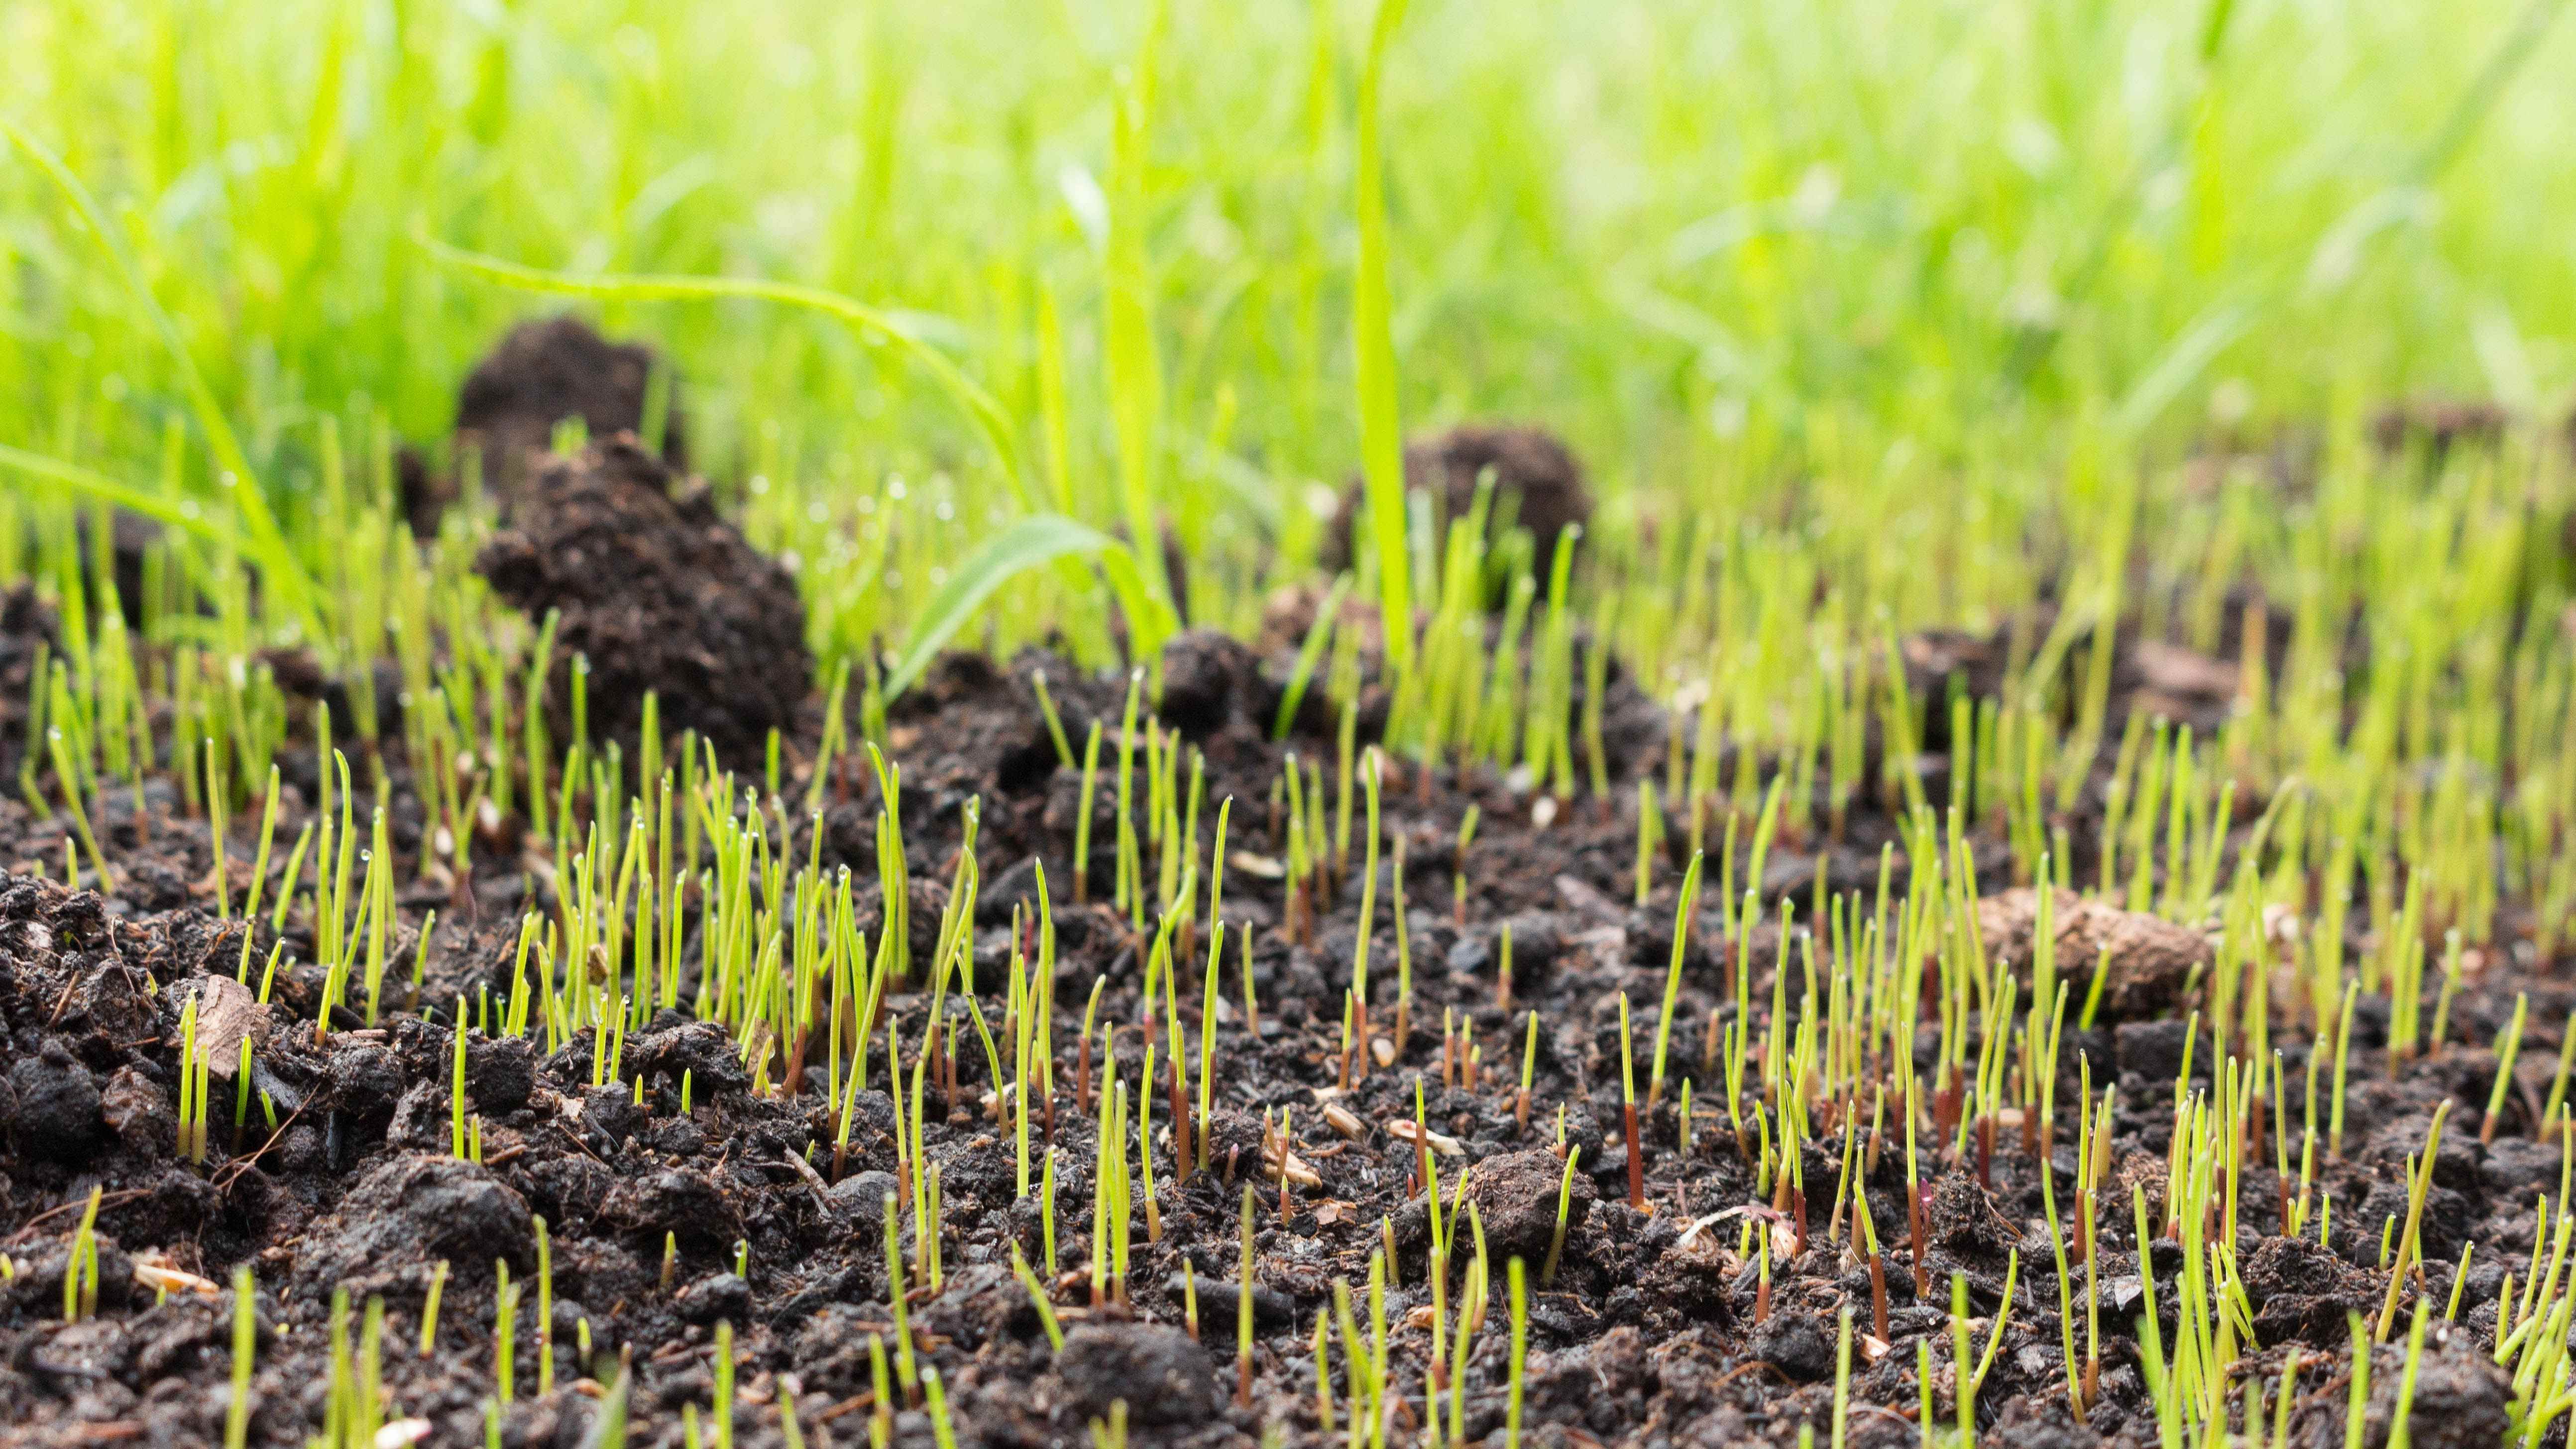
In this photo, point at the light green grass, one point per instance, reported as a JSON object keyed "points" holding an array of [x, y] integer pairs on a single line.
{"points": [[1686, 235]]}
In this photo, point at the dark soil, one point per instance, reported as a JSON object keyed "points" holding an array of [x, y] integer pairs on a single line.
{"points": [[1653, 1331], [539, 375], [659, 593], [1538, 485], [28, 631]]}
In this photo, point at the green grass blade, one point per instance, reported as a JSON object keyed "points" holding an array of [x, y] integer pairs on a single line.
{"points": [[1134, 360], [1372, 322], [1026, 544], [267, 542], [159, 507]]}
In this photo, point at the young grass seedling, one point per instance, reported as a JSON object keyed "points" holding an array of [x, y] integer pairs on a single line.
{"points": [[1564, 1205], [245, 1344], [1673, 980], [2408, 1243], [1628, 1113], [1243, 1312], [2506, 1047]]}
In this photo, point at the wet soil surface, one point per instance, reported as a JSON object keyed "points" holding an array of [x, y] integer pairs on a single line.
{"points": [[1654, 1329], [655, 593]]}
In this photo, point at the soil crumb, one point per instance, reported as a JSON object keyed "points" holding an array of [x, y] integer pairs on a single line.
{"points": [[2146, 961], [1538, 485], [659, 593]]}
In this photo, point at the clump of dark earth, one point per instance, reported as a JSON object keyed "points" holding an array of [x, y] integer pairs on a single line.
{"points": [[1538, 485], [2150, 959], [541, 374], [1162, 1373], [659, 593], [545, 372]]}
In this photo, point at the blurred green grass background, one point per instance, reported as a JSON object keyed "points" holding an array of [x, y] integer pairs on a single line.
{"points": [[1720, 247]]}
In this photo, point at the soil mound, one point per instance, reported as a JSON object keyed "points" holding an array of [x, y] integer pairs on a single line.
{"points": [[545, 372], [539, 375], [659, 593], [1538, 485]]}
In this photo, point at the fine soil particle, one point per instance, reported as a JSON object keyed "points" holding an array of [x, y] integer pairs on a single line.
{"points": [[544, 372], [2145, 960], [1538, 485], [659, 594]]}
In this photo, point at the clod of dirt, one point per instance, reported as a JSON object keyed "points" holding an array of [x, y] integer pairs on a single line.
{"points": [[2168, 681], [138, 1111], [2142, 1172], [54, 1104], [675, 1200], [721, 1298], [544, 372], [1538, 485], [2150, 958], [2161, 680], [1291, 609], [1208, 677], [413, 1210], [2033, 1422], [699, 1051], [2151, 1051], [1162, 1373], [1965, 1220], [365, 1079], [1515, 1197], [660, 594], [422, 492], [859, 1200], [1795, 1343], [39, 1280], [2461, 1393], [499, 1075], [2302, 1290]]}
